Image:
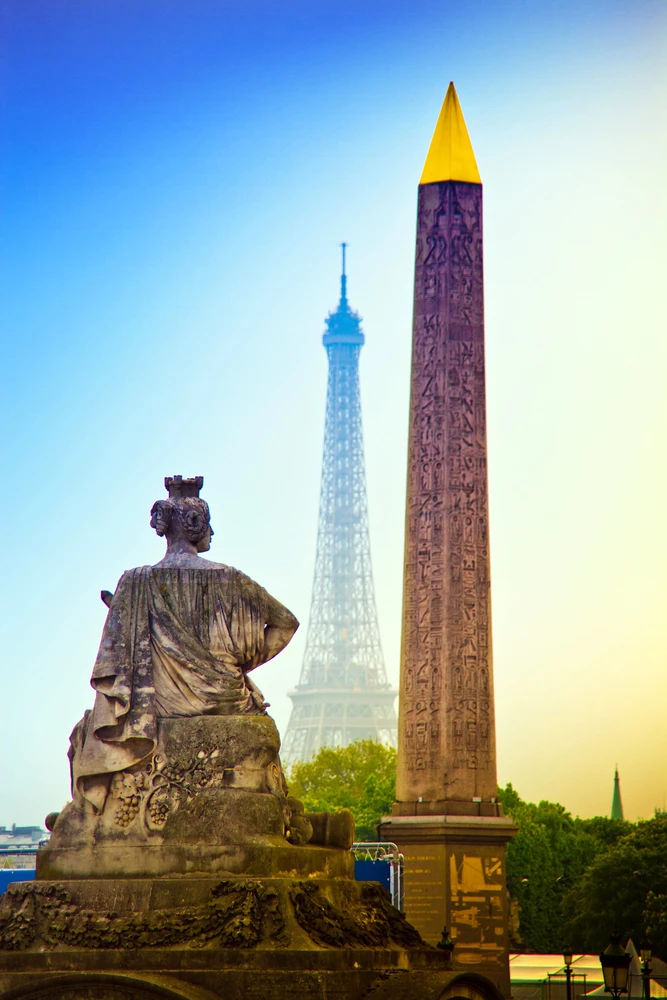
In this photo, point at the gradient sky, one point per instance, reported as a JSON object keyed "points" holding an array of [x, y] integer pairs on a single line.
{"points": [[176, 178]]}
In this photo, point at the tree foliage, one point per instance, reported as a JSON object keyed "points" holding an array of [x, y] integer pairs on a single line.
{"points": [[624, 889], [360, 777], [547, 858], [655, 917]]}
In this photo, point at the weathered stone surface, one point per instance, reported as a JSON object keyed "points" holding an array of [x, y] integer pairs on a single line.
{"points": [[366, 918], [212, 780], [180, 641], [212, 799], [332, 829], [446, 715], [227, 913], [237, 914], [235, 939], [161, 860], [206, 939], [332, 974]]}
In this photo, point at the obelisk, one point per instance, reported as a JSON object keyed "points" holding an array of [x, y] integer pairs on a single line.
{"points": [[446, 819]]}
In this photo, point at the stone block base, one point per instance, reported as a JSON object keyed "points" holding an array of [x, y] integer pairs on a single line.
{"points": [[122, 861], [455, 878], [223, 975], [206, 938]]}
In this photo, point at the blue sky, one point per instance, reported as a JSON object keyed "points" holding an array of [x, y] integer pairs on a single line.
{"points": [[176, 178]]}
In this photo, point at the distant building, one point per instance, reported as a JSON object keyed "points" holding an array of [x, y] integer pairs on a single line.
{"points": [[18, 845], [616, 804]]}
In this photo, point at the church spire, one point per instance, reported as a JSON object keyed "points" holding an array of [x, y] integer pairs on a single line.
{"points": [[616, 804], [450, 156]]}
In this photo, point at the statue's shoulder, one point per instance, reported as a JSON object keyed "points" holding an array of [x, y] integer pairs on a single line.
{"points": [[131, 574], [244, 586], [233, 580], [243, 579], [188, 561], [209, 564]]}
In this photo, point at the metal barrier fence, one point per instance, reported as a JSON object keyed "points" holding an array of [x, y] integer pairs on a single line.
{"points": [[380, 862]]}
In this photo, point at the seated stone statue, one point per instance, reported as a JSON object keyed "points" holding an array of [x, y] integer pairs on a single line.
{"points": [[177, 769], [180, 640]]}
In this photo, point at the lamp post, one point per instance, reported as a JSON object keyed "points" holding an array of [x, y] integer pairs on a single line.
{"points": [[567, 958], [615, 962], [645, 951]]}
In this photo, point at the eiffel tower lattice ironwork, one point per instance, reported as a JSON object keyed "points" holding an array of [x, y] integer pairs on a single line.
{"points": [[343, 694]]}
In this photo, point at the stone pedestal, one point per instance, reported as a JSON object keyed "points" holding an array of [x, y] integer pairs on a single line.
{"points": [[157, 974], [211, 799], [455, 878], [308, 930], [185, 885]]}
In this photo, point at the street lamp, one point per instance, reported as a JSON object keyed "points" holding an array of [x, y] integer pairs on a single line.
{"points": [[567, 958], [645, 951], [615, 962]]}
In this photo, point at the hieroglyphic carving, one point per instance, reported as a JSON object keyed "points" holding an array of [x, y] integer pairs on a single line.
{"points": [[446, 679]]}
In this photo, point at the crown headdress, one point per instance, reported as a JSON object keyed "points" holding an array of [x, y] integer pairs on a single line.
{"points": [[178, 487]]}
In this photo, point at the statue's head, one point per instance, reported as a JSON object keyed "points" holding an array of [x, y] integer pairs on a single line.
{"points": [[184, 516]]}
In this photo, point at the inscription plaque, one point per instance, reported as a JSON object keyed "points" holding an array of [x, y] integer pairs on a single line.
{"points": [[476, 897], [461, 887], [425, 890]]}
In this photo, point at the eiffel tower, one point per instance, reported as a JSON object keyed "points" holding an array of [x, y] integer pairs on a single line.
{"points": [[343, 694]]}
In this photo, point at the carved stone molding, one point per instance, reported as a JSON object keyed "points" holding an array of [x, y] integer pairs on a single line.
{"points": [[368, 919], [239, 914]]}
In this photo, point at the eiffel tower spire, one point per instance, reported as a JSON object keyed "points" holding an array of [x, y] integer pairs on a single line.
{"points": [[343, 694]]}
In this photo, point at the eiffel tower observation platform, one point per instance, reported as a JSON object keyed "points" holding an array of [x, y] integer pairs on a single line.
{"points": [[343, 694]]}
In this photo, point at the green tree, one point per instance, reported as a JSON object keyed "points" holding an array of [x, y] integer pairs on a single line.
{"points": [[655, 918], [360, 777], [545, 860], [624, 889]]}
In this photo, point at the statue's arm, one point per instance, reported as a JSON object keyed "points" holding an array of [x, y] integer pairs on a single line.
{"points": [[280, 626]]}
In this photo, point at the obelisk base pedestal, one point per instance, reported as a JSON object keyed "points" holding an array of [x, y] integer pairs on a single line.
{"points": [[455, 878]]}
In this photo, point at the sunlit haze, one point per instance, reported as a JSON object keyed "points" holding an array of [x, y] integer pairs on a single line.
{"points": [[177, 177]]}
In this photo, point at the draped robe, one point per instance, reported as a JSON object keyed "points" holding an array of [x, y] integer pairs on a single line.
{"points": [[174, 644]]}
